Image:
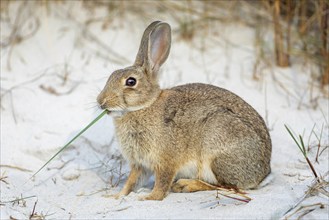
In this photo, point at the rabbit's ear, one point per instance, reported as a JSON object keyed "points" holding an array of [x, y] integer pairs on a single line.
{"points": [[143, 48], [159, 46], [155, 46]]}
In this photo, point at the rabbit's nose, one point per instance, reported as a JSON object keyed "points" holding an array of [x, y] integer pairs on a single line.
{"points": [[103, 105]]}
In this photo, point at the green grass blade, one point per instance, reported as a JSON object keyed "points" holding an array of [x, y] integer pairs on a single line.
{"points": [[316, 136], [303, 145], [73, 139], [309, 137], [293, 137]]}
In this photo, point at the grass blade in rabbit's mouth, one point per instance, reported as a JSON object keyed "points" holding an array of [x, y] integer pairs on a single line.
{"points": [[73, 139]]}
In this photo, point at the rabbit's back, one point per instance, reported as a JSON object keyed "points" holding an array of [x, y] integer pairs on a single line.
{"points": [[199, 103], [216, 125]]}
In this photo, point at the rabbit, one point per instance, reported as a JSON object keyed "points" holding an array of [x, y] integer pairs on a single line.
{"points": [[198, 134]]}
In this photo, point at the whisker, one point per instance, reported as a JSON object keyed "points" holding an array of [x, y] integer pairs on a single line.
{"points": [[91, 104], [92, 107], [95, 110], [122, 107]]}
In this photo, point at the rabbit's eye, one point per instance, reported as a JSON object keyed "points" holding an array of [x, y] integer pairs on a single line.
{"points": [[131, 81]]}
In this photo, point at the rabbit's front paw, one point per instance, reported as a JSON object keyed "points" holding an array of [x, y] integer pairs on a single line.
{"points": [[152, 196], [118, 195], [114, 196]]}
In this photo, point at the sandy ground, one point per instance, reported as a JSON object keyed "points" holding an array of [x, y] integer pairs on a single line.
{"points": [[49, 83]]}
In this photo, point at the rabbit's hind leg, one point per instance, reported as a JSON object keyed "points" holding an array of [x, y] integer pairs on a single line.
{"points": [[191, 185]]}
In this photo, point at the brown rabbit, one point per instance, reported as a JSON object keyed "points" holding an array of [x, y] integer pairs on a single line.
{"points": [[200, 133]]}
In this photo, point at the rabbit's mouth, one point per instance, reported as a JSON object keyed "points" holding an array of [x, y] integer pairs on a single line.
{"points": [[104, 105], [115, 112], [119, 112]]}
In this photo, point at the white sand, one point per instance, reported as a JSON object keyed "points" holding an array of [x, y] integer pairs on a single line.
{"points": [[35, 122]]}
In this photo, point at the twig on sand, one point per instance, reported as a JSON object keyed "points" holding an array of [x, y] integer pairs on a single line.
{"points": [[15, 167], [122, 209], [35, 216], [18, 200], [53, 91], [232, 193], [8, 91], [119, 173], [95, 192], [13, 107], [3, 178], [33, 211], [16, 36], [319, 187], [316, 187], [306, 209], [61, 166]]}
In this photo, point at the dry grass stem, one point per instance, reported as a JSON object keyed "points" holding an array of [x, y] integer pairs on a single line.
{"points": [[122, 209], [18, 201], [15, 167], [319, 144], [282, 57], [317, 187], [17, 36], [35, 215], [3, 178], [304, 210], [118, 173], [61, 166], [232, 193], [95, 192]]}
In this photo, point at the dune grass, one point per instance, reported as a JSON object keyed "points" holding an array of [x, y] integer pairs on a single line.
{"points": [[300, 144]]}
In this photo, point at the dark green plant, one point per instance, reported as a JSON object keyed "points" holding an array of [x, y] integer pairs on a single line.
{"points": [[300, 144]]}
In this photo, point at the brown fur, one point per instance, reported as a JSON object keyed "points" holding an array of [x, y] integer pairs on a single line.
{"points": [[193, 131]]}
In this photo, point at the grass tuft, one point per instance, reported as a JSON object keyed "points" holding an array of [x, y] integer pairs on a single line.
{"points": [[300, 144]]}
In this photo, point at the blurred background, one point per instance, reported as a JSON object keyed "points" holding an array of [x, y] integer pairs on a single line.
{"points": [[285, 32]]}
